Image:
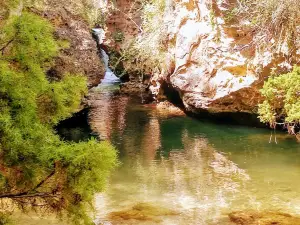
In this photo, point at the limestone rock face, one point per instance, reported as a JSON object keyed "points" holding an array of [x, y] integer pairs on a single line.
{"points": [[215, 65], [81, 54], [212, 60]]}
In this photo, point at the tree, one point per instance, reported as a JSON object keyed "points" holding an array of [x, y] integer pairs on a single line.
{"points": [[37, 168], [282, 101]]}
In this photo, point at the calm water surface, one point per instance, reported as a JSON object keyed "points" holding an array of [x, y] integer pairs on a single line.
{"points": [[199, 171]]}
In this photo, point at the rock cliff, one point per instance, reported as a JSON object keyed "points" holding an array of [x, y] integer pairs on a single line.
{"points": [[80, 56], [213, 61], [216, 67]]}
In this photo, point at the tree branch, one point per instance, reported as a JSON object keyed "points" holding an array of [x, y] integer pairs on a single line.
{"points": [[29, 192], [140, 29], [26, 195], [43, 181], [6, 45]]}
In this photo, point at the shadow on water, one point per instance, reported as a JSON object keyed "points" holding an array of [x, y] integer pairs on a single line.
{"points": [[76, 128]]}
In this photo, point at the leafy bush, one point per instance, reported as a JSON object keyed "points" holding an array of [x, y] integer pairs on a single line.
{"points": [[37, 167], [282, 100], [4, 219]]}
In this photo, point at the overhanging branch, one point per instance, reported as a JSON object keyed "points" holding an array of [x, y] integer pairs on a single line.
{"points": [[6, 45], [30, 193], [26, 195]]}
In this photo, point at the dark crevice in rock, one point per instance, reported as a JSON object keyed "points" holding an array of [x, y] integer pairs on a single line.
{"points": [[235, 118], [172, 95], [116, 64]]}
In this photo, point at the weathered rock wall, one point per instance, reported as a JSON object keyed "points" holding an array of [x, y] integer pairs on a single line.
{"points": [[122, 22], [217, 66], [122, 25], [81, 54], [213, 60]]}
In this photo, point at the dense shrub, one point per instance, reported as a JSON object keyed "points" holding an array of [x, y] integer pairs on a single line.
{"points": [[37, 168], [282, 100]]}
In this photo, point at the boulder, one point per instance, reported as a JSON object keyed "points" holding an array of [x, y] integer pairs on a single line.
{"points": [[80, 53], [215, 65]]}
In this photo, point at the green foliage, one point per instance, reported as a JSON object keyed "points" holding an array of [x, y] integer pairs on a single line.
{"points": [[63, 44], [212, 18], [282, 98], [33, 42], [4, 219], [39, 166], [147, 51], [150, 44]]}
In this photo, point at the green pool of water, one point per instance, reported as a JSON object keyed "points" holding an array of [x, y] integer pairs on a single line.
{"points": [[199, 170]]}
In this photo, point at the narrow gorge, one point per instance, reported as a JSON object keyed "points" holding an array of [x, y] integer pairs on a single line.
{"points": [[149, 112]]}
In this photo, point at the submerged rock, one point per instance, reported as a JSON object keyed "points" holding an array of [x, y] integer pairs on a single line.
{"points": [[263, 218], [135, 88], [142, 212], [167, 109]]}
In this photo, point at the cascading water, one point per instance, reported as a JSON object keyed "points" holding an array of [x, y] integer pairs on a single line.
{"points": [[109, 77]]}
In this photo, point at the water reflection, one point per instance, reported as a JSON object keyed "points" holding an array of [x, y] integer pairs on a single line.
{"points": [[163, 165], [198, 170], [193, 182], [151, 140], [107, 114]]}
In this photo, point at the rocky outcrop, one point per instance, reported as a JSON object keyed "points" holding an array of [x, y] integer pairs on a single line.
{"points": [[216, 67], [136, 89], [122, 26], [141, 212], [80, 54]]}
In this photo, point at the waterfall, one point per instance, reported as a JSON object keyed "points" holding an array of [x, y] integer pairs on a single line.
{"points": [[109, 77], [105, 59]]}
